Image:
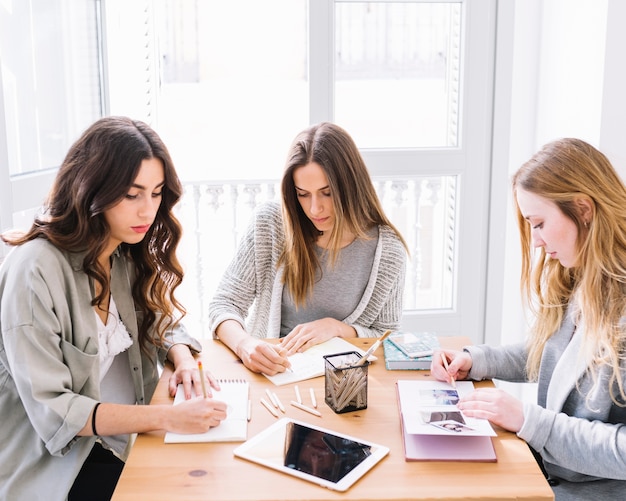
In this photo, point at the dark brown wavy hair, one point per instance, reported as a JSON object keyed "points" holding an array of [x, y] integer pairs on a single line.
{"points": [[355, 201], [96, 174]]}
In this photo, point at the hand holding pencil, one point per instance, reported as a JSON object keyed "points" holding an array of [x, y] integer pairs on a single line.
{"points": [[451, 365], [447, 367], [188, 373], [262, 357]]}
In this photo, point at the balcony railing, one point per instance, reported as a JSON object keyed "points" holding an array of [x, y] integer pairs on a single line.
{"points": [[215, 214]]}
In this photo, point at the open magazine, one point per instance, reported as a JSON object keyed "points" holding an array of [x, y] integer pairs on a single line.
{"points": [[429, 408], [435, 429]]}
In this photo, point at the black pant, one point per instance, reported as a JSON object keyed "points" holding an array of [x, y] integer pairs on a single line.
{"points": [[98, 477]]}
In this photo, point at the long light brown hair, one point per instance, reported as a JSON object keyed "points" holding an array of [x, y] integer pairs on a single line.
{"points": [[564, 171], [356, 204], [95, 175]]}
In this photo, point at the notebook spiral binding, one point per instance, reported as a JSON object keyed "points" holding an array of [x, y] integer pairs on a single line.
{"points": [[232, 380]]}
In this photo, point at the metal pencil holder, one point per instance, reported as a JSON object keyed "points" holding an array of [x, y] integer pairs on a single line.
{"points": [[345, 382]]}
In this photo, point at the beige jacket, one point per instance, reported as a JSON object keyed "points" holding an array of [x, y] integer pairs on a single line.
{"points": [[49, 366]]}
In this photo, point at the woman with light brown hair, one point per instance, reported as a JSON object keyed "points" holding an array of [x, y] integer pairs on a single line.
{"points": [[325, 263], [87, 311], [571, 211]]}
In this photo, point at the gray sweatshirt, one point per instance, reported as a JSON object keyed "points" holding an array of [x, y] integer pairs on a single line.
{"points": [[250, 291], [582, 442]]}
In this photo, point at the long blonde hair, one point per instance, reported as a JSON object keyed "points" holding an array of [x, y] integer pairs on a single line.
{"points": [[356, 204], [564, 171]]}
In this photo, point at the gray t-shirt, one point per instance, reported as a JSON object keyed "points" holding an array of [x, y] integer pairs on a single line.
{"points": [[338, 289]]}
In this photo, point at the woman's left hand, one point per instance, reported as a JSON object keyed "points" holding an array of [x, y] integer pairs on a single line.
{"points": [[303, 336], [186, 372], [495, 405]]}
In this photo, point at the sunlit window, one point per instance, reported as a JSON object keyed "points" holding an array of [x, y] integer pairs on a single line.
{"points": [[397, 73], [228, 85], [240, 79], [235, 85], [236, 79], [51, 89], [50, 69]]}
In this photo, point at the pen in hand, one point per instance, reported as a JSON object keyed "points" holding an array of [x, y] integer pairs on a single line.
{"points": [[446, 366]]}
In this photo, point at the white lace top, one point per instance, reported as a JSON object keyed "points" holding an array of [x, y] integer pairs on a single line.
{"points": [[113, 338]]}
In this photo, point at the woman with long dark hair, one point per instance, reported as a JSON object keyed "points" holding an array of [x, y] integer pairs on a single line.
{"points": [[87, 311]]}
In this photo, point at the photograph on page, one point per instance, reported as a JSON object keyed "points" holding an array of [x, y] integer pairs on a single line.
{"points": [[430, 408]]}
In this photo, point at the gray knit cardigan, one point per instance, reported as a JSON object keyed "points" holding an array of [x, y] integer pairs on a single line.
{"points": [[250, 291]]}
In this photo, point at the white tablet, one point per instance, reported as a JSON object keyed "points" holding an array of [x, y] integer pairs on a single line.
{"points": [[321, 456]]}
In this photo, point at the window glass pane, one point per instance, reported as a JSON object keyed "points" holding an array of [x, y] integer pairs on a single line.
{"points": [[397, 73], [50, 78], [235, 85], [424, 210]]}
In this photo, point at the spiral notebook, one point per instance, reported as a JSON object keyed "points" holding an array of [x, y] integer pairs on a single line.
{"points": [[235, 392]]}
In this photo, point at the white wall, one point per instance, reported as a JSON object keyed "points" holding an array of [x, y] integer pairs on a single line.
{"points": [[571, 73], [612, 129], [559, 73]]}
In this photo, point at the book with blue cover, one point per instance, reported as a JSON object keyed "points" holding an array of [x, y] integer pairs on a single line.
{"points": [[400, 345]]}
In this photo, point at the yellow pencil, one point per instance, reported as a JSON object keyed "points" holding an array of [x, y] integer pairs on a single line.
{"points": [[202, 378]]}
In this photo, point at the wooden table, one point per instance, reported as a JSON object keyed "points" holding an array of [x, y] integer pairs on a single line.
{"points": [[159, 471]]}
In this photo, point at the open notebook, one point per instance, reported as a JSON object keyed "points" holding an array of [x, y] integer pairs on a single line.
{"points": [[310, 364], [433, 427], [232, 429]]}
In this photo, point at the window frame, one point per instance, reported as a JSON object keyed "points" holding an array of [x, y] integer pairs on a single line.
{"points": [[470, 160], [24, 192]]}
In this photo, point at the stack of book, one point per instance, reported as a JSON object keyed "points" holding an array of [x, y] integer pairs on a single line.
{"points": [[409, 350]]}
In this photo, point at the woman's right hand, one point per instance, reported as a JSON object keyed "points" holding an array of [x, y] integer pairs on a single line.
{"points": [[256, 354], [259, 356], [196, 415], [459, 365]]}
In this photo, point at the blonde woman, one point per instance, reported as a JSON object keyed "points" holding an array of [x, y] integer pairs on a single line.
{"points": [[571, 208], [325, 263]]}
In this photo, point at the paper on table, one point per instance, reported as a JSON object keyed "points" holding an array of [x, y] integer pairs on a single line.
{"points": [[419, 399], [310, 364], [232, 429]]}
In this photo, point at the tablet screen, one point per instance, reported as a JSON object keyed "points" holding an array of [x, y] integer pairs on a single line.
{"points": [[322, 456]]}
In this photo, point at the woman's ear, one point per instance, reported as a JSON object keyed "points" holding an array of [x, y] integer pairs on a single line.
{"points": [[585, 208]]}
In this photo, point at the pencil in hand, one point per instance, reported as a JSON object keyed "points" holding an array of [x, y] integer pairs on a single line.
{"points": [[283, 353], [452, 381], [204, 393]]}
